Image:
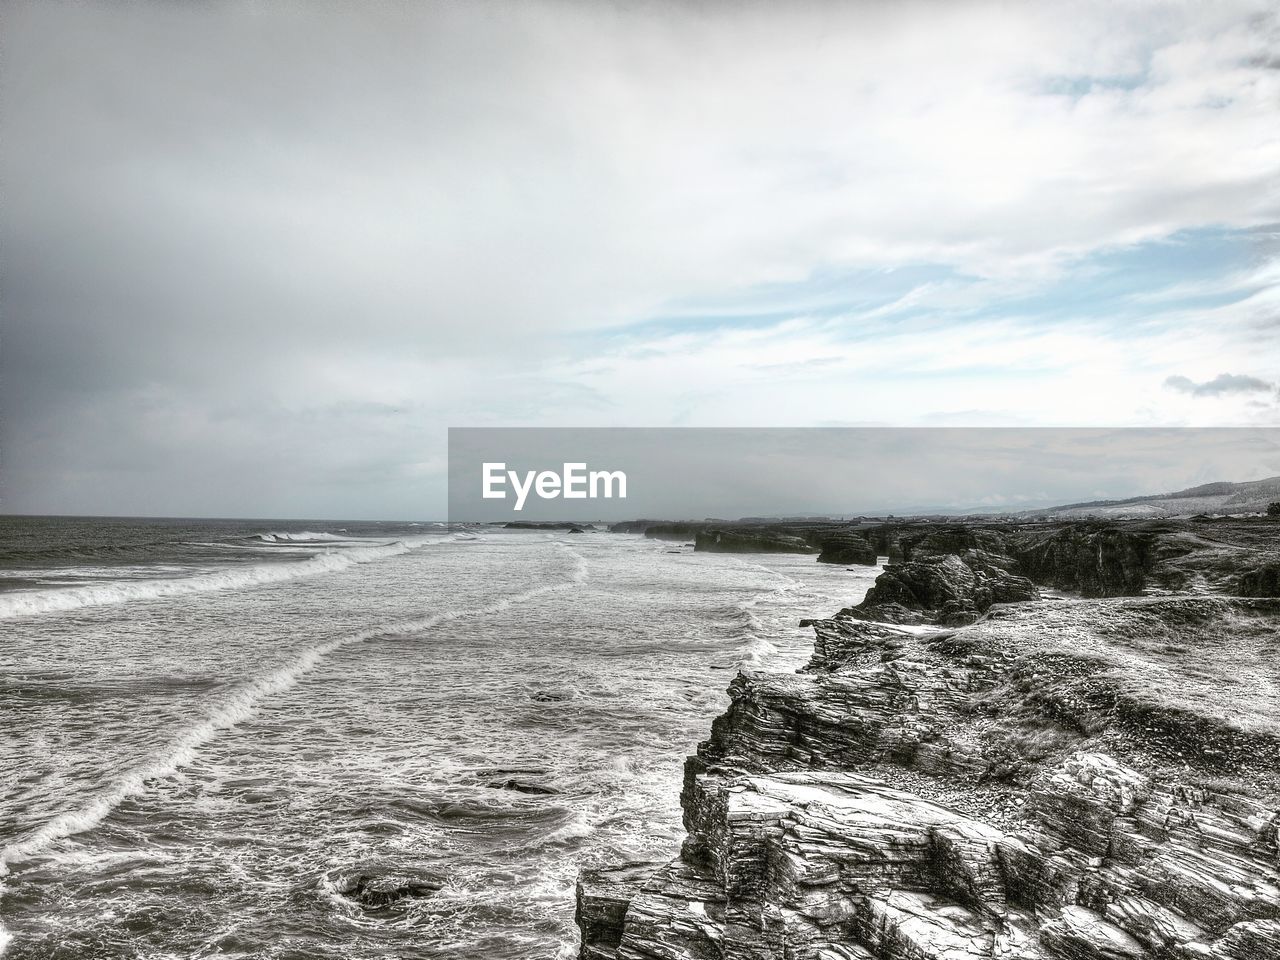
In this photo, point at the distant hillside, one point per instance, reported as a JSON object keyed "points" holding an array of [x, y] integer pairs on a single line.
{"points": [[1208, 498]]}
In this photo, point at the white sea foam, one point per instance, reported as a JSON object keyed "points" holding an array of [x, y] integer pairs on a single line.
{"points": [[21, 603], [754, 649], [306, 536], [579, 825], [755, 652], [237, 707]]}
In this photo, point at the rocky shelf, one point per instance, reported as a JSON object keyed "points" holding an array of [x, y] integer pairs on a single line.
{"points": [[972, 766]]}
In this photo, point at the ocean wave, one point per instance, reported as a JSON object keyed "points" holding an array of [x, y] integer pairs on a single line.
{"points": [[755, 652], [408, 627], [306, 536], [28, 603], [578, 826], [237, 707], [749, 630]]}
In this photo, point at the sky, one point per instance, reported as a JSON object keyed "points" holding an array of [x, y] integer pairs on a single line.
{"points": [[257, 258]]}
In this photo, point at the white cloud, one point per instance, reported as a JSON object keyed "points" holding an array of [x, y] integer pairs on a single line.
{"points": [[291, 219]]}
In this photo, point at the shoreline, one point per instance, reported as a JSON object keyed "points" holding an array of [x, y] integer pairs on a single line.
{"points": [[565, 747], [1093, 778]]}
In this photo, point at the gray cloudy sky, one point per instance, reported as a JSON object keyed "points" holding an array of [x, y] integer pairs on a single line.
{"points": [[257, 257]]}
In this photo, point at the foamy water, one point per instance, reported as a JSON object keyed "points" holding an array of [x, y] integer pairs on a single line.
{"points": [[193, 772]]}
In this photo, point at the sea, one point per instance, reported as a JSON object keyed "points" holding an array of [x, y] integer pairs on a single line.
{"points": [[269, 739]]}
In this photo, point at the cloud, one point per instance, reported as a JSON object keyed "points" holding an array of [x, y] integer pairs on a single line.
{"points": [[1223, 383], [260, 255]]}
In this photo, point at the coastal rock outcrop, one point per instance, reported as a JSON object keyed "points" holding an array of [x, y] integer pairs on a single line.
{"points": [[944, 588], [1263, 581], [548, 525], [603, 898], [1090, 559], [674, 531], [747, 540], [847, 549], [935, 541], [1090, 779]]}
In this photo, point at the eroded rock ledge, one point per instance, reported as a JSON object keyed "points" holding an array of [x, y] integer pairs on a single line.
{"points": [[1085, 779]]}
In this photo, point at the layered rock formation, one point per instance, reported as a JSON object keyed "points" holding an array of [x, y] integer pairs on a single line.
{"points": [[548, 525], [1089, 557], [848, 548], [671, 531], [750, 540], [1086, 779], [943, 589], [1261, 582]]}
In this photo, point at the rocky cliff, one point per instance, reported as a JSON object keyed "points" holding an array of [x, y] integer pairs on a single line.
{"points": [[1085, 779], [745, 540], [848, 548]]}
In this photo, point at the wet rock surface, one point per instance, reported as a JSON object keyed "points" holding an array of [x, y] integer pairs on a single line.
{"points": [[603, 898], [1261, 582], [1088, 778], [548, 525], [847, 549], [742, 540], [377, 885], [523, 786]]}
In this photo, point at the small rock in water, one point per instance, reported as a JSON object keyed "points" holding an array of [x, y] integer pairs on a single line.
{"points": [[376, 885], [522, 786], [551, 696]]}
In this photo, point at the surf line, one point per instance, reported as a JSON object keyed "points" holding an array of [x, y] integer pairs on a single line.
{"points": [[239, 706], [25, 604]]}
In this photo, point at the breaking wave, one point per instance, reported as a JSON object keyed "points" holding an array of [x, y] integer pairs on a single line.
{"points": [[754, 648], [28, 603], [306, 536], [237, 707], [233, 710]]}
